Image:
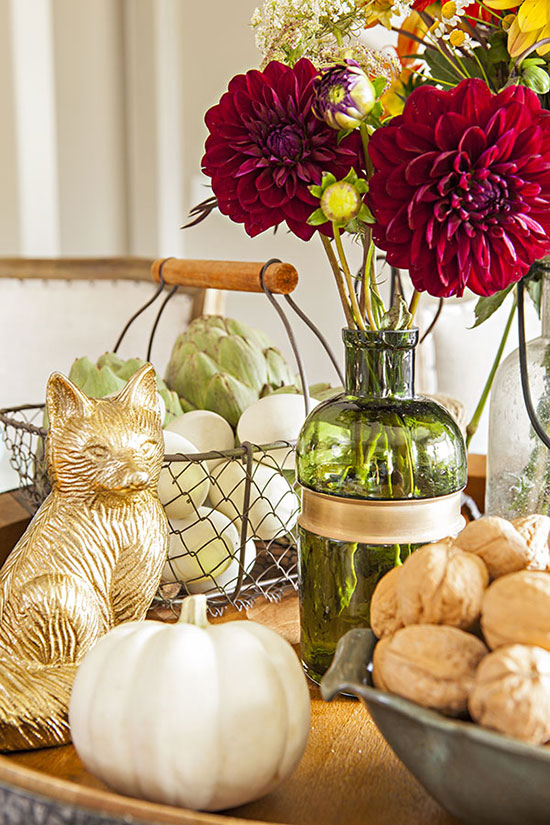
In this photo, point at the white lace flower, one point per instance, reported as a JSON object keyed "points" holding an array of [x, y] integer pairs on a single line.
{"points": [[324, 31]]}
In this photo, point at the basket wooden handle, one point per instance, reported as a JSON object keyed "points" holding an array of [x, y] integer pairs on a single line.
{"points": [[240, 276]]}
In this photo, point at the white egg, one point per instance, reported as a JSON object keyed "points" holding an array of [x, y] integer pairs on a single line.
{"points": [[274, 506], [206, 430], [183, 485], [204, 553], [277, 417]]}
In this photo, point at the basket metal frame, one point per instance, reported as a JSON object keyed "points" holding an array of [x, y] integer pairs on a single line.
{"points": [[278, 577]]}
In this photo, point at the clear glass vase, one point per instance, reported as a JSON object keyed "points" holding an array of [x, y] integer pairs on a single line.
{"points": [[381, 471], [518, 463]]}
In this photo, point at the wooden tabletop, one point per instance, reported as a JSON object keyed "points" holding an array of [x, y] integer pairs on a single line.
{"points": [[347, 776]]}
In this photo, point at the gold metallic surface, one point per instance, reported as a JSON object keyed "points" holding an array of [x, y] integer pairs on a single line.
{"points": [[91, 557], [414, 521]]}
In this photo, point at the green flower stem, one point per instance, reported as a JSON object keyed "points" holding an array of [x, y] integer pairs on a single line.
{"points": [[397, 556], [430, 78], [444, 52], [413, 306], [339, 282], [483, 72], [371, 269], [365, 141], [485, 22], [347, 274], [474, 423], [544, 42]]}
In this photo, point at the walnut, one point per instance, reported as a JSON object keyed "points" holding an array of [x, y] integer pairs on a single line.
{"points": [[384, 618], [535, 530], [516, 610], [511, 693], [433, 665], [503, 548], [440, 584]]}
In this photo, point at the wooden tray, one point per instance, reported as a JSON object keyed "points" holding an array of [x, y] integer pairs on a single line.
{"points": [[348, 775]]}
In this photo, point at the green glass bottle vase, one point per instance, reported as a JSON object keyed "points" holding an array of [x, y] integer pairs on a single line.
{"points": [[381, 471]]}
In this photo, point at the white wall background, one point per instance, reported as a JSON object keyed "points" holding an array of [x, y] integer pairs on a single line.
{"points": [[100, 149]]}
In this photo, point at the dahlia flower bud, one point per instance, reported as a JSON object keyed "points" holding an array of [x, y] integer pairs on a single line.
{"points": [[344, 96], [341, 202]]}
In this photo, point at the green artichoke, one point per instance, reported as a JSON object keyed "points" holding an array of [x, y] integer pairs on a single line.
{"points": [[223, 365], [111, 373]]}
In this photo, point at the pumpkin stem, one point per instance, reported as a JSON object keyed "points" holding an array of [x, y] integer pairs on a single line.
{"points": [[193, 611]]}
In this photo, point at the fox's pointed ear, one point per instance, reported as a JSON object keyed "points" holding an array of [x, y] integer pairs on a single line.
{"points": [[64, 399], [141, 390]]}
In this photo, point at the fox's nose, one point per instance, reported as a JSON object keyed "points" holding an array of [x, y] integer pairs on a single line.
{"points": [[139, 480]]}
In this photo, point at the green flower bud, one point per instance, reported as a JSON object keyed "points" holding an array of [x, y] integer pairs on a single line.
{"points": [[341, 202], [537, 79]]}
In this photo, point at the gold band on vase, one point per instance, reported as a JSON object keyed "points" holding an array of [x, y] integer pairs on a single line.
{"points": [[412, 521]]}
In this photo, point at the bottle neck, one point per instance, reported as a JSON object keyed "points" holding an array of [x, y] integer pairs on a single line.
{"points": [[380, 363]]}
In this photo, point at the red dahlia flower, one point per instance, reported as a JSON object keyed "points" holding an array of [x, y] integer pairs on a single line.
{"points": [[461, 187], [266, 147]]}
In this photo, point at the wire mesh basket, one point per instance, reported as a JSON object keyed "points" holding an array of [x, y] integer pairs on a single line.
{"points": [[232, 514], [235, 537]]}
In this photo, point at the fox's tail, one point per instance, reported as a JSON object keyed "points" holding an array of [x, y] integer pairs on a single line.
{"points": [[33, 705]]}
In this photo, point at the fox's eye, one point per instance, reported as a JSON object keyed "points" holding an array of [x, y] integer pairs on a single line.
{"points": [[97, 451], [149, 446]]}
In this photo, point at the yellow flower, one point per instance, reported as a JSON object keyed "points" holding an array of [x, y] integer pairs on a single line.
{"points": [[393, 99], [448, 9], [377, 11], [530, 26], [457, 38]]}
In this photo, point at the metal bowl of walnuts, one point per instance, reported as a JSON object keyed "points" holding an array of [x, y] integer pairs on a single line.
{"points": [[477, 774]]}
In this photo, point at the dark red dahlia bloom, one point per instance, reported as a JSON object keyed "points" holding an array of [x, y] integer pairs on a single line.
{"points": [[266, 147], [461, 187]]}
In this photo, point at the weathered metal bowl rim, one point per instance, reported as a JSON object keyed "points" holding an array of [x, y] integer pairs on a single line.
{"points": [[456, 727]]}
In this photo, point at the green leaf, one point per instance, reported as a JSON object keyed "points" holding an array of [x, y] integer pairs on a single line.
{"points": [[487, 305], [533, 61], [351, 177], [398, 316], [316, 191], [362, 185], [365, 214], [317, 218], [378, 308], [328, 180], [440, 68], [534, 289], [343, 133], [498, 53], [379, 84]]}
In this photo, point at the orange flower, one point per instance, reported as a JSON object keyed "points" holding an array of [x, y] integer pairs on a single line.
{"points": [[393, 99], [406, 47]]}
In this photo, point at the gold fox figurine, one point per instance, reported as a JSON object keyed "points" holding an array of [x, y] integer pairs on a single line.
{"points": [[90, 559]]}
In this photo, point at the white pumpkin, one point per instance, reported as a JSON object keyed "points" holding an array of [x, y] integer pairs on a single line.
{"points": [[277, 417], [206, 430], [274, 506], [183, 486], [203, 716], [204, 552]]}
